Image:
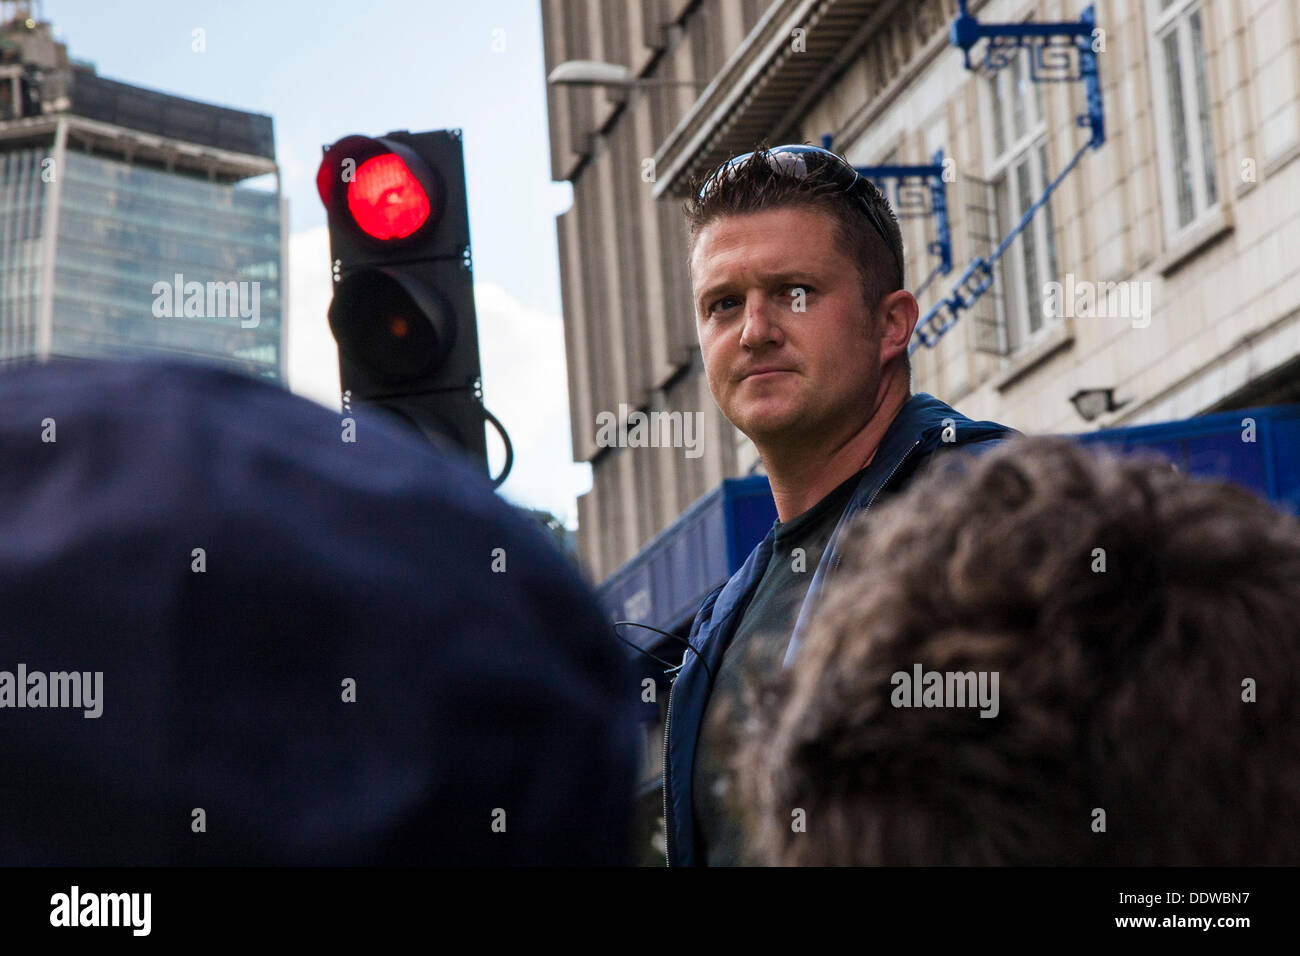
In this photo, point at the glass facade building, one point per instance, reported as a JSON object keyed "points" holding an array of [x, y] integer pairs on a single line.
{"points": [[102, 257], [22, 208], [132, 245]]}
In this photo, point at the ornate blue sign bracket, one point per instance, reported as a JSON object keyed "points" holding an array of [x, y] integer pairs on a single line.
{"points": [[1051, 46], [1058, 52]]}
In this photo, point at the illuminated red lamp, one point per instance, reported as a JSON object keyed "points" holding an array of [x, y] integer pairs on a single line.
{"points": [[386, 200], [389, 196]]}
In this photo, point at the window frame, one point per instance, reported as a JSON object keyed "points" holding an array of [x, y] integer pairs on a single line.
{"points": [[1176, 18], [1015, 300]]}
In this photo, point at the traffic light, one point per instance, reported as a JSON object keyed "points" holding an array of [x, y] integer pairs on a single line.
{"points": [[403, 309]]}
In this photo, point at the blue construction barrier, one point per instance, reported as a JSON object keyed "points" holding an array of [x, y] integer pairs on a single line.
{"points": [[1255, 447], [665, 583]]}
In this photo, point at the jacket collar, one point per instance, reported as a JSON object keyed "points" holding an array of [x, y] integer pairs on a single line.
{"points": [[923, 423], [917, 429], [921, 426]]}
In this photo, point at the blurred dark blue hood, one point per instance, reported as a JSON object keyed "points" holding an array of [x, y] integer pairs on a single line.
{"points": [[482, 696]]}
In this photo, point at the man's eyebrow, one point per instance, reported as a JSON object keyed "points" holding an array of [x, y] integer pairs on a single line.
{"points": [[795, 278]]}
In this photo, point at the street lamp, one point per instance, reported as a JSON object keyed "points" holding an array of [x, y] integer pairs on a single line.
{"points": [[1091, 402], [596, 73]]}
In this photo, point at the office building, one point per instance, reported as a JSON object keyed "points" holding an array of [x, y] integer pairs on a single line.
{"points": [[125, 229]]}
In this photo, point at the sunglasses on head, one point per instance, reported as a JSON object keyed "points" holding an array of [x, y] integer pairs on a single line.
{"points": [[803, 161]]}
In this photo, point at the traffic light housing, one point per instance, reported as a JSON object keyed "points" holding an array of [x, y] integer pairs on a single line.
{"points": [[403, 308]]}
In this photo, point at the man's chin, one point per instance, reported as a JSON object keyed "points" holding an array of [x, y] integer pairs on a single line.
{"points": [[772, 427]]}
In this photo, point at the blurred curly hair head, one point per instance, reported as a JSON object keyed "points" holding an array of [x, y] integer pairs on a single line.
{"points": [[1124, 606]]}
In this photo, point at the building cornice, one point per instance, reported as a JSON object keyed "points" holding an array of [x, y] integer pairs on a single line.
{"points": [[766, 88], [221, 165], [728, 97]]}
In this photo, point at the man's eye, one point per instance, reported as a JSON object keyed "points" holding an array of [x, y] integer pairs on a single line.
{"points": [[720, 303], [797, 297]]}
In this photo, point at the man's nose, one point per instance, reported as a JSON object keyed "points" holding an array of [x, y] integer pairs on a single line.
{"points": [[758, 329]]}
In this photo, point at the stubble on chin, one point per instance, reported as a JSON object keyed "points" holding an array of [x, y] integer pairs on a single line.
{"points": [[768, 427]]}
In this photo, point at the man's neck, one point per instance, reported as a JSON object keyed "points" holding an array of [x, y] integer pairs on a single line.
{"points": [[802, 477]]}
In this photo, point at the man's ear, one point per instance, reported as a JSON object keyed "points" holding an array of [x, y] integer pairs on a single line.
{"points": [[897, 315]]}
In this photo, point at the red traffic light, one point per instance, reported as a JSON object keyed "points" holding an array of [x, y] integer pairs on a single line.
{"points": [[385, 198], [387, 192]]}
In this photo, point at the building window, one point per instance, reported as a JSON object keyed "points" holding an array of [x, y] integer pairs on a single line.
{"points": [[1020, 174], [1182, 110]]}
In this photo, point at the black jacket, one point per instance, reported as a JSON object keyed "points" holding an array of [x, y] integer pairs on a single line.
{"points": [[916, 434]]}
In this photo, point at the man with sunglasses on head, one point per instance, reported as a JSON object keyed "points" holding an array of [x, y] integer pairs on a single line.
{"points": [[804, 325]]}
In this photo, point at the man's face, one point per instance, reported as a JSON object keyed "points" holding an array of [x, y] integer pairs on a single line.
{"points": [[774, 291]]}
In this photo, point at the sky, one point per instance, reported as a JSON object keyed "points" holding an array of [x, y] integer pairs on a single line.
{"points": [[323, 69]]}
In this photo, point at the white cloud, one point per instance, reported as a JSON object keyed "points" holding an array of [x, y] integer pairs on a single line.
{"points": [[313, 361], [526, 386], [524, 379]]}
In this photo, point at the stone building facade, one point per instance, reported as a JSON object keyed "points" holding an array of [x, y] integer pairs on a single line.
{"points": [[1179, 223]]}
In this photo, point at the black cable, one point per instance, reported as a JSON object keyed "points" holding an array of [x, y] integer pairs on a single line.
{"points": [[675, 637], [496, 483], [653, 657], [510, 449]]}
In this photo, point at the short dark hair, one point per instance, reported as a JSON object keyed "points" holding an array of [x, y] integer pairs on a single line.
{"points": [[1125, 685], [753, 185]]}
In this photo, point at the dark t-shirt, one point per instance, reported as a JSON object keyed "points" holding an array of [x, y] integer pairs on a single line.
{"points": [[761, 637]]}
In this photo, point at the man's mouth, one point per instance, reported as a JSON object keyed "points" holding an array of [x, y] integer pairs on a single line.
{"points": [[764, 371]]}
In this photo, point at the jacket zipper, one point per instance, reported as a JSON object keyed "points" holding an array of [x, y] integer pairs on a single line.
{"points": [[668, 824]]}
